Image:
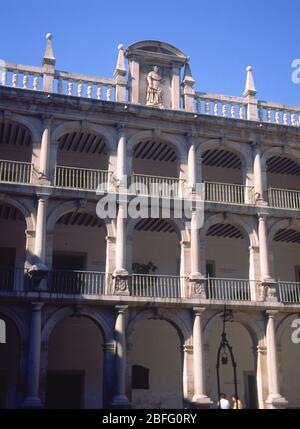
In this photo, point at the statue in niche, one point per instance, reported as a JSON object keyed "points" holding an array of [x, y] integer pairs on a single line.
{"points": [[154, 91]]}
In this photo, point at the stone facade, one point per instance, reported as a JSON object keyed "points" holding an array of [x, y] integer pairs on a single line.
{"points": [[74, 305]]}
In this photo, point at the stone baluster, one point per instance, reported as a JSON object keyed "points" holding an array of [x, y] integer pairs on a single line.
{"points": [[108, 93], [89, 90], [224, 110], [35, 82], [25, 80], [207, 107], [216, 108], [15, 79], [285, 118], [99, 92], [70, 88], [4, 78], [277, 117], [79, 89]]}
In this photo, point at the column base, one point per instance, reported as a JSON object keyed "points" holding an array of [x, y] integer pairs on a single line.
{"points": [[202, 401], [32, 402], [276, 402], [120, 401]]}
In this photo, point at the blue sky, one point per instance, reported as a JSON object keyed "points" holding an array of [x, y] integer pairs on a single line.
{"points": [[221, 37]]}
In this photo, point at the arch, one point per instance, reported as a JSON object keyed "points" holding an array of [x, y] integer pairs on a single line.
{"points": [[26, 211], [248, 227], [242, 151], [281, 224], [32, 124], [184, 330], [60, 209], [180, 229], [69, 127], [58, 315], [18, 321], [279, 151], [252, 326], [175, 142]]}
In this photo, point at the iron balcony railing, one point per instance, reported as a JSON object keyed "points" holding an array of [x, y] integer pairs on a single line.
{"points": [[284, 198], [168, 187], [15, 280], [229, 193], [229, 289], [160, 286], [67, 282], [81, 178], [15, 171], [289, 292]]}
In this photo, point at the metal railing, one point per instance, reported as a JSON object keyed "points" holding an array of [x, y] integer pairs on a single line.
{"points": [[168, 187], [65, 282], [284, 198], [81, 178], [229, 289], [160, 286], [289, 292], [15, 171], [13, 279], [229, 193]]}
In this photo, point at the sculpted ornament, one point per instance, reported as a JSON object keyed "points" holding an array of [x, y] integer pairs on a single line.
{"points": [[154, 90]]}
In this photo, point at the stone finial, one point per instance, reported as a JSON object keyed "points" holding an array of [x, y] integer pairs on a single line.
{"points": [[49, 58], [120, 69], [187, 75], [188, 91], [250, 89]]}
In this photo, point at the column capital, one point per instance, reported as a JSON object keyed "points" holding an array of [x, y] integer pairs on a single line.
{"points": [[121, 127], [262, 217], [37, 305], [43, 197], [199, 310], [271, 314], [47, 119], [192, 136], [121, 309]]}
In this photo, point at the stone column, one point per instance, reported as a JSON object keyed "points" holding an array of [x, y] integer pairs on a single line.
{"points": [[121, 273], [200, 397], [109, 350], [40, 235], [45, 149], [275, 399], [32, 399], [120, 399], [192, 166], [263, 248], [196, 278], [121, 157], [258, 179]]}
